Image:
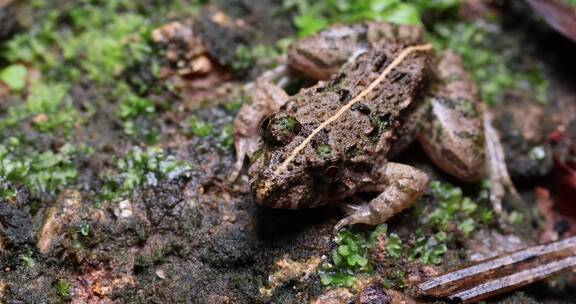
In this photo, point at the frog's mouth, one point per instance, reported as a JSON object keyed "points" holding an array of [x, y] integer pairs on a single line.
{"points": [[291, 197]]}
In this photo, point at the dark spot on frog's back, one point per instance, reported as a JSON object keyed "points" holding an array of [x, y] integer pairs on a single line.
{"points": [[379, 63], [344, 95], [396, 76], [361, 107]]}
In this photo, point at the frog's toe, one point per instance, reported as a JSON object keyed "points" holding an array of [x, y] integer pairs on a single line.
{"points": [[357, 215], [236, 169], [241, 150]]}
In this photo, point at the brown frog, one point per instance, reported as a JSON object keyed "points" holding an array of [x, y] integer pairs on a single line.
{"points": [[380, 88]]}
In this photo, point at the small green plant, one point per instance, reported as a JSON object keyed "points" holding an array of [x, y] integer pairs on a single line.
{"points": [[63, 288], [199, 127], [141, 168], [248, 56], [47, 102], [394, 246], [202, 129], [132, 106], [453, 210], [350, 257], [84, 229], [27, 259], [43, 173], [313, 16], [453, 206], [429, 250], [14, 76]]}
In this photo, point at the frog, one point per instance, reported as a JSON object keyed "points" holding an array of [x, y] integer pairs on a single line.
{"points": [[379, 88]]}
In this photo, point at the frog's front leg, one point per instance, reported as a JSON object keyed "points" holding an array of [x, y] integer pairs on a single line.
{"points": [[262, 99], [399, 186]]}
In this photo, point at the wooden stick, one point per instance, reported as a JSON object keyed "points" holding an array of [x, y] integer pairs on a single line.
{"points": [[497, 275]]}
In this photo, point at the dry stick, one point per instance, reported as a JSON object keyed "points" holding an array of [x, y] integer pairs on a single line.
{"points": [[498, 275], [405, 52]]}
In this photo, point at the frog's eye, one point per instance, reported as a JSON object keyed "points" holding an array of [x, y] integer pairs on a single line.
{"points": [[264, 125], [280, 130], [332, 173]]}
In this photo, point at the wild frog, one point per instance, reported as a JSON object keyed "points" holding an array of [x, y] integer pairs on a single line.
{"points": [[380, 87]]}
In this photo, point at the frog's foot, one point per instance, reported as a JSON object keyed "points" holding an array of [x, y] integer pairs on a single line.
{"points": [[243, 148], [499, 180], [262, 98], [401, 186]]}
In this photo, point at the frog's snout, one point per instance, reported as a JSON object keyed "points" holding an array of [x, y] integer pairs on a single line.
{"points": [[295, 197], [263, 191]]}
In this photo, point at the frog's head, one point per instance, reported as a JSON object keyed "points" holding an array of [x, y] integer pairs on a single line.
{"points": [[285, 174]]}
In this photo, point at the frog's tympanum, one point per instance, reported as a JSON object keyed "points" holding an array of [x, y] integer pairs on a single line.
{"points": [[380, 88]]}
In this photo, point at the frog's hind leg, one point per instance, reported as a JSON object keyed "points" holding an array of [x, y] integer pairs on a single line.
{"points": [[400, 187], [499, 179], [459, 137], [453, 135], [262, 99]]}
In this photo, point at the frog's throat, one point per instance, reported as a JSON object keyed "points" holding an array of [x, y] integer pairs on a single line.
{"points": [[397, 61]]}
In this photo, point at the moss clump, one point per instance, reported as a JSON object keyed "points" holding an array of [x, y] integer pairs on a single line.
{"points": [[199, 127], [63, 288], [203, 129], [454, 215], [141, 168], [350, 257], [41, 173], [312, 16], [246, 57], [14, 76]]}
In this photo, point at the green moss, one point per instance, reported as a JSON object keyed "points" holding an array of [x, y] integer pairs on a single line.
{"points": [[14, 76], [394, 246], [84, 229], [225, 138], [42, 173], [454, 215], [248, 56], [130, 108], [27, 259], [63, 288], [429, 250], [350, 257], [141, 168], [199, 127], [49, 103], [312, 16], [203, 129]]}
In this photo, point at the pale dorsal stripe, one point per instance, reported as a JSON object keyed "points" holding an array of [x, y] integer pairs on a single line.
{"points": [[405, 52]]}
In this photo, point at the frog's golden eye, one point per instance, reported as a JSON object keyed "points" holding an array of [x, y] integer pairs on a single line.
{"points": [[279, 130]]}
